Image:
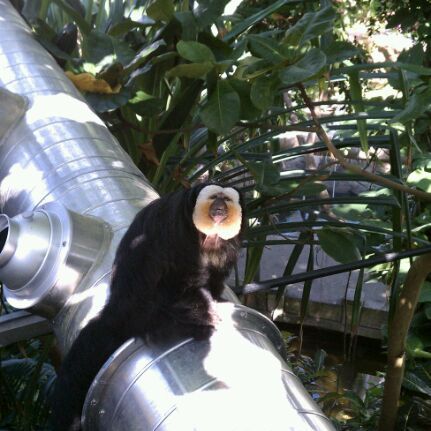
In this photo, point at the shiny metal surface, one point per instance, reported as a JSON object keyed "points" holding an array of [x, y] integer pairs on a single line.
{"points": [[62, 152], [44, 254], [236, 381]]}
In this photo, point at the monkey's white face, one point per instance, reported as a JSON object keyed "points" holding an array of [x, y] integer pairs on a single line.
{"points": [[218, 212]]}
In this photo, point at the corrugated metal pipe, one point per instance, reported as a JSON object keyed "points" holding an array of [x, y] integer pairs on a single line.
{"points": [[68, 192]]}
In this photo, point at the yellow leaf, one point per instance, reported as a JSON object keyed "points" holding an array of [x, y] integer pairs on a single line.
{"points": [[88, 83]]}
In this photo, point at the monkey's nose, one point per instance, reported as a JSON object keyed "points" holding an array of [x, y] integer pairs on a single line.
{"points": [[218, 210]]}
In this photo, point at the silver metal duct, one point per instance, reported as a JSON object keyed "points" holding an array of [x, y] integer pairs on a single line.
{"points": [[68, 192]]}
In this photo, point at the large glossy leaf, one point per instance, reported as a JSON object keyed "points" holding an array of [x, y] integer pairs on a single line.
{"points": [[108, 102], [263, 91], [418, 381], [161, 10], [311, 25], [417, 104], [195, 52], [208, 11], [267, 48], [248, 109], [339, 51], [191, 70], [222, 109], [98, 46], [253, 19], [188, 25], [420, 179], [142, 55], [307, 67], [340, 244]]}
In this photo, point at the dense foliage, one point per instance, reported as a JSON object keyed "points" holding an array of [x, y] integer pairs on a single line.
{"points": [[193, 90]]}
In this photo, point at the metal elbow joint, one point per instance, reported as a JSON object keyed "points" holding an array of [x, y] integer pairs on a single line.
{"points": [[45, 253]]}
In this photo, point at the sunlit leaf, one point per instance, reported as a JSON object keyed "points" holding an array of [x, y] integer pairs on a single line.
{"points": [[222, 109], [420, 179], [311, 25], [307, 67], [339, 51], [195, 52], [266, 47], [253, 19]]}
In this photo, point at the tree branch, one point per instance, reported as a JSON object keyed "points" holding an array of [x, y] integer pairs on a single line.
{"points": [[385, 182], [398, 330]]}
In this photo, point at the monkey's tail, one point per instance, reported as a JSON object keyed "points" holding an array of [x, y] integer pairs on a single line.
{"points": [[95, 343]]}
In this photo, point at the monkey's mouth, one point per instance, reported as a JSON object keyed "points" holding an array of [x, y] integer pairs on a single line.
{"points": [[218, 217]]}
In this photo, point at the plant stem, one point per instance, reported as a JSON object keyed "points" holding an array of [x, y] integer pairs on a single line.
{"points": [[385, 182], [398, 330]]}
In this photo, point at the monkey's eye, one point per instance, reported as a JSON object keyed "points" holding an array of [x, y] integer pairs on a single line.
{"points": [[227, 199], [213, 197]]}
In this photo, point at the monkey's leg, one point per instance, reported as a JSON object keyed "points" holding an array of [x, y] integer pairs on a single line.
{"points": [[96, 342]]}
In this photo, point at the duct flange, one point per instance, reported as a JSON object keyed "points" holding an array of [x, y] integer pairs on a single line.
{"points": [[45, 253]]}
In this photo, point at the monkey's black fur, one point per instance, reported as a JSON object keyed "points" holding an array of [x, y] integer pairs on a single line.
{"points": [[161, 288]]}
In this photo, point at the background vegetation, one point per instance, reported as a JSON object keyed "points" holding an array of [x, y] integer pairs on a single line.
{"points": [[196, 90]]}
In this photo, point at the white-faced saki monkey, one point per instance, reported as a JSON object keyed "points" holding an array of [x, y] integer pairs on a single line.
{"points": [[169, 267]]}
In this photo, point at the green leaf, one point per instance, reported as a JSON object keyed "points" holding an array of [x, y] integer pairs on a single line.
{"points": [[188, 25], [420, 179], [195, 52], [190, 70], [311, 25], [145, 104], [161, 10], [209, 11], [248, 110], [263, 91], [425, 294], [340, 243], [142, 56], [417, 104], [108, 102], [253, 19], [254, 255], [98, 46], [417, 382], [266, 47], [307, 67], [356, 92], [221, 111], [295, 188], [339, 51], [265, 173], [128, 24]]}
